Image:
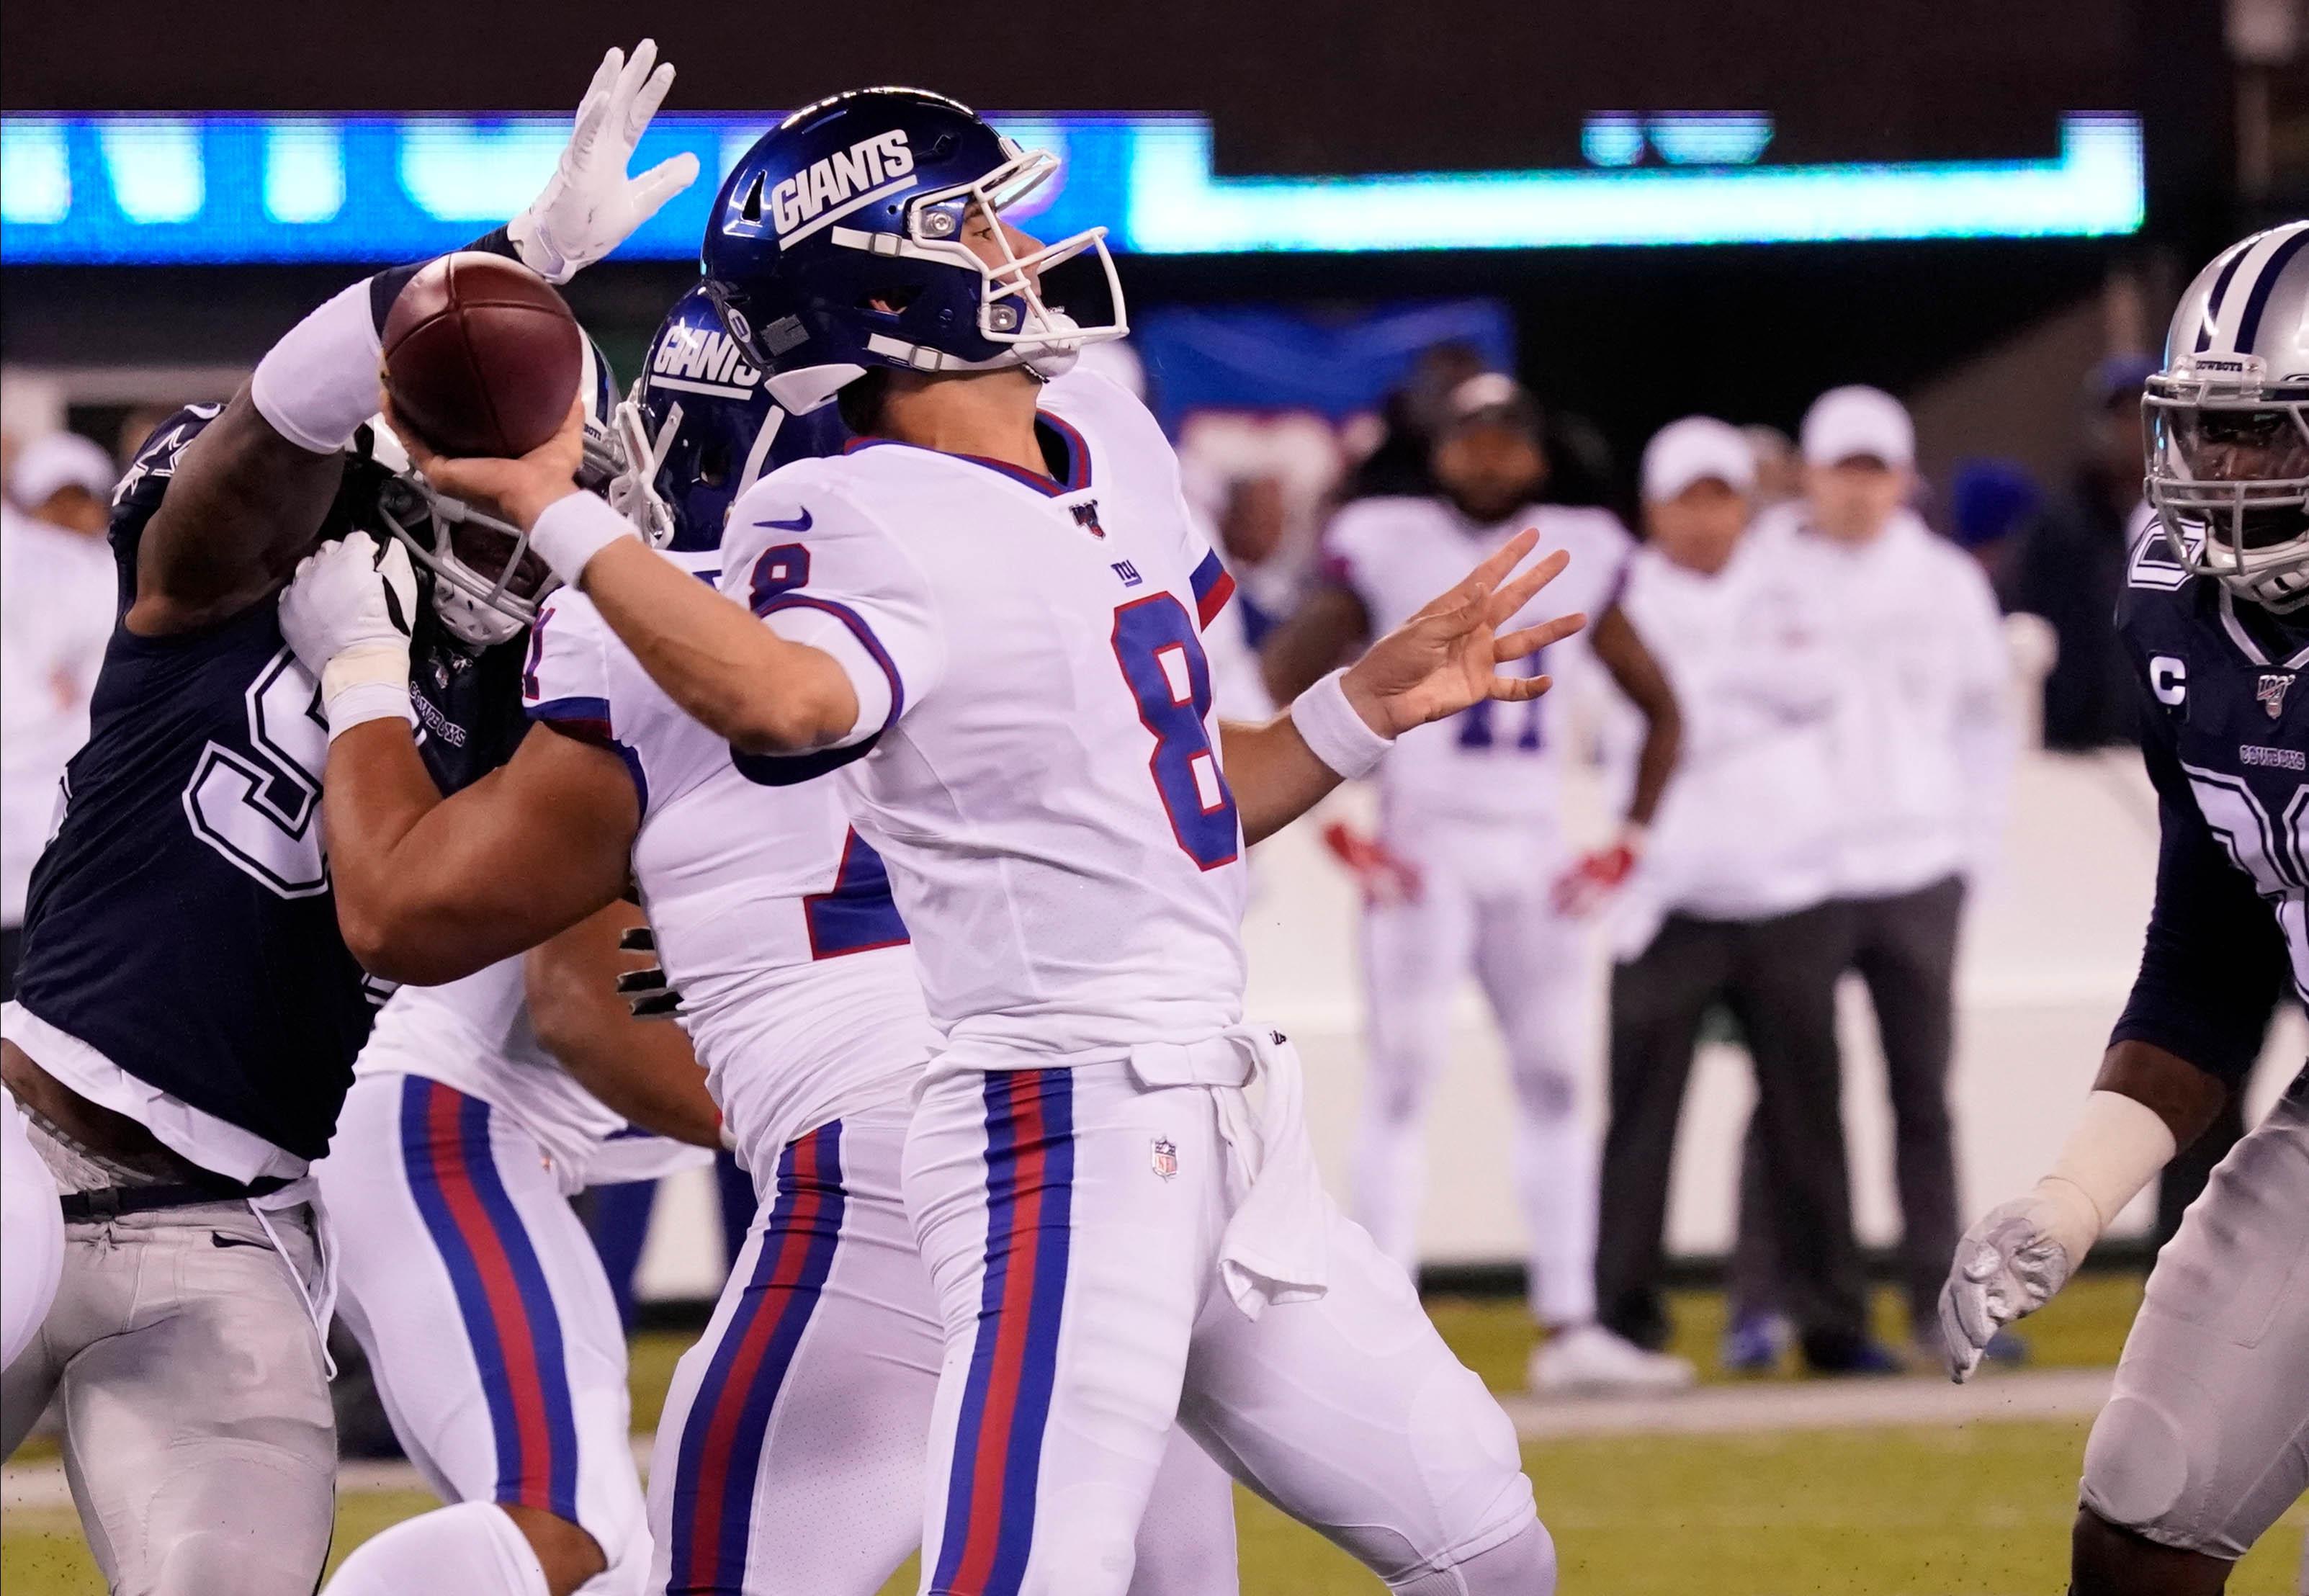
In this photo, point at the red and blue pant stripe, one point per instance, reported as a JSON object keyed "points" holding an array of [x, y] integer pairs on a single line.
{"points": [[724, 1434], [988, 1530], [502, 1295]]}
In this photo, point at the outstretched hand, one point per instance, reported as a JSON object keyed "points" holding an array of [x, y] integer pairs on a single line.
{"points": [[591, 205], [518, 489], [1447, 656]]}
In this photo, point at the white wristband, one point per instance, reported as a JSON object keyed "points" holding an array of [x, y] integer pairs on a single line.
{"points": [[366, 682], [573, 530], [2119, 1145], [1334, 732]]}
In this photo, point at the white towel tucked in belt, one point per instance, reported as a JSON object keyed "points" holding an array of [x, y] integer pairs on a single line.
{"points": [[1276, 1244]]}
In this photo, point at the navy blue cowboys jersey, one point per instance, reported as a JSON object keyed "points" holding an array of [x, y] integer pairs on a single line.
{"points": [[180, 921], [2226, 735]]}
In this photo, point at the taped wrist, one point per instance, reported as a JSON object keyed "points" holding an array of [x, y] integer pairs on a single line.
{"points": [[319, 383], [1334, 732], [2117, 1148], [366, 682], [574, 528]]}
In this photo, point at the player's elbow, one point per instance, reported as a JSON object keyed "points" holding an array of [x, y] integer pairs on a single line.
{"points": [[395, 943], [794, 722], [771, 728]]}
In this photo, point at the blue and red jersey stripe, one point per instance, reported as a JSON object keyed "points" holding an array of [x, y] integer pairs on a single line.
{"points": [[721, 1438], [1213, 586], [502, 1295], [988, 1530]]}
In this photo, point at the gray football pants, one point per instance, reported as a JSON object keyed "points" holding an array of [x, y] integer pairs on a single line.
{"points": [[2205, 1440], [198, 1440]]}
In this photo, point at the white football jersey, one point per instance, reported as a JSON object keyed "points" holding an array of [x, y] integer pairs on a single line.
{"points": [[474, 1034], [1041, 767], [1492, 762], [774, 919]]}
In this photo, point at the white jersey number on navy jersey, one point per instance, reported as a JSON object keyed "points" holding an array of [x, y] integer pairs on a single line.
{"points": [[259, 809]]}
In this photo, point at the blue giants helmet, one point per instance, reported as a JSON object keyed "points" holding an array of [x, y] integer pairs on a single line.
{"points": [[700, 428], [838, 243]]}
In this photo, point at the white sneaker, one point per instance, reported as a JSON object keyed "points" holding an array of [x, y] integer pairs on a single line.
{"points": [[1589, 1359]]}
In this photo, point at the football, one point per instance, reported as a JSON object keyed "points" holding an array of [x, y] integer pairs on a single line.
{"points": [[481, 356]]}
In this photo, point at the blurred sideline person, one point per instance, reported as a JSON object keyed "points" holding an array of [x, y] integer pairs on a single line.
{"points": [[1779, 473], [59, 591], [1924, 746], [1733, 903], [1483, 879], [2204, 1442], [2071, 563]]}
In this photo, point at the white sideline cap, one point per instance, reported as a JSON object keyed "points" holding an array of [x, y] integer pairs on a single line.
{"points": [[1844, 422], [1693, 450]]}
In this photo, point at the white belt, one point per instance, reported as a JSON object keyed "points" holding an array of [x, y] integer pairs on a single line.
{"points": [[1275, 1246]]}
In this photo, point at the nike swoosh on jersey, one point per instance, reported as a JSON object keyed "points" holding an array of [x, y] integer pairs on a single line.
{"points": [[800, 523]]}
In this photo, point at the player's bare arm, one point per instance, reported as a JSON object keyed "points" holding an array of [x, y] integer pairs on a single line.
{"points": [[431, 890], [1314, 639], [1621, 649], [640, 1070], [1442, 659], [725, 670], [250, 493]]}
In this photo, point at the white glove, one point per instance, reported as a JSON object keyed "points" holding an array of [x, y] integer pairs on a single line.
{"points": [[2011, 1262], [347, 614], [589, 205]]}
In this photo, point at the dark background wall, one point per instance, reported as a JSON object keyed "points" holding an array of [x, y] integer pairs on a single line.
{"points": [[1629, 337]]}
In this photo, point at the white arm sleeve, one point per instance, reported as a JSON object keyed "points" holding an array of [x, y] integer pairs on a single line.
{"points": [[319, 383]]}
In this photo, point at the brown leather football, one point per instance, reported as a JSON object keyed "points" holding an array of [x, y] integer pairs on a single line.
{"points": [[481, 356]]}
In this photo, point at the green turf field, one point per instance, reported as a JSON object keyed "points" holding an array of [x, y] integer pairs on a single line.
{"points": [[1980, 1510]]}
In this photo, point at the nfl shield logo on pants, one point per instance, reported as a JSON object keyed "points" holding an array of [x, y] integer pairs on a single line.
{"points": [[1166, 1156], [2273, 688]]}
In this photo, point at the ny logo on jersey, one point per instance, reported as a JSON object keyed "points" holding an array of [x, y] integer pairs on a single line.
{"points": [[1127, 571], [1087, 517], [2274, 687]]}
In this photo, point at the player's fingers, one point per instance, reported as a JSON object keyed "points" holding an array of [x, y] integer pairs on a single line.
{"points": [[1508, 600], [635, 74], [1530, 640], [1491, 571], [1484, 577], [1507, 557], [1953, 1345], [598, 91], [651, 95], [1976, 1321], [1520, 689], [664, 180], [419, 455]]}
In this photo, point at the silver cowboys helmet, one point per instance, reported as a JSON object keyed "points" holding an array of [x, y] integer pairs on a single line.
{"points": [[487, 584], [2228, 446]]}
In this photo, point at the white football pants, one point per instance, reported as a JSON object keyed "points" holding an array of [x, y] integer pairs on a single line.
{"points": [[1484, 908], [790, 1459], [485, 1313], [1072, 1220]]}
